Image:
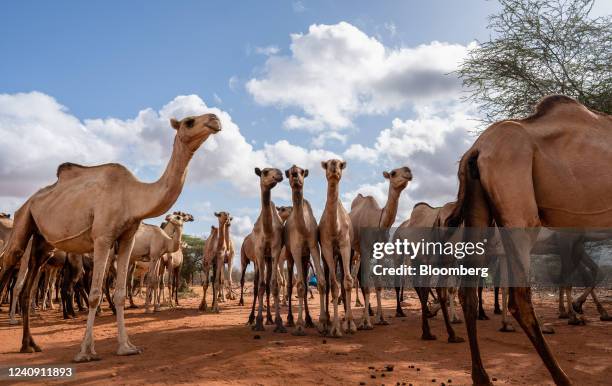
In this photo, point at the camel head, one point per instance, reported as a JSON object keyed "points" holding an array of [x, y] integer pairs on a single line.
{"points": [[175, 219], [296, 176], [224, 218], [399, 178], [4, 215], [269, 177], [186, 216], [284, 212], [184, 245], [193, 131], [333, 169]]}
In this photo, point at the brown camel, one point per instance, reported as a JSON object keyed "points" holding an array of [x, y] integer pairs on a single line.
{"points": [[549, 169], [220, 256], [423, 218], [173, 261], [301, 242], [365, 213], [94, 209], [284, 212], [208, 260], [336, 234], [228, 260], [268, 242]]}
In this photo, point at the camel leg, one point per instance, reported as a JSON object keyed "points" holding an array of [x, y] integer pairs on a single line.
{"points": [[366, 323], [481, 312], [261, 289], [244, 268], [574, 319], [289, 293], [562, 311], [203, 305], [497, 309], [251, 320], [423, 294], [355, 275], [123, 260], [308, 323], [269, 319], [349, 322], [102, 247], [506, 324], [230, 283], [150, 285], [19, 283], [330, 270], [131, 286], [276, 261], [380, 317], [217, 285], [45, 291], [603, 314], [452, 337], [399, 312]]}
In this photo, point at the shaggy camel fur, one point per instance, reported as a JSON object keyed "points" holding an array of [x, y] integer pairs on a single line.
{"points": [[422, 219], [208, 259], [365, 213], [268, 242], [301, 242], [94, 209], [517, 174], [336, 234]]}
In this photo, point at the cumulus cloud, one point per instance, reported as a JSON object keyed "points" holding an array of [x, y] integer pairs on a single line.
{"points": [[337, 72], [267, 50], [37, 134]]}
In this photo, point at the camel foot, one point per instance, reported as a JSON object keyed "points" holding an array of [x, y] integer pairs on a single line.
{"points": [[577, 306], [131, 307], [129, 350], [455, 339], [299, 331], [456, 321], [399, 313], [251, 320], [605, 318], [428, 337], [576, 321], [563, 315], [13, 322], [506, 327], [497, 311], [365, 325], [259, 325], [30, 348], [309, 323], [156, 309], [290, 322], [241, 302], [279, 325], [86, 357], [215, 309], [483, 316], [381, 322], [335, 331], [269, 320], [349, 327], [358, 304], [547, 329]]}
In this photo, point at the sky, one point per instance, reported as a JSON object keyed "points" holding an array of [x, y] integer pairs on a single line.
{"points": [[294, 82]]}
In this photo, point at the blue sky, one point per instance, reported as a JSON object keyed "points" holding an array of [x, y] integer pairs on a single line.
{"points": [[367, 81]]}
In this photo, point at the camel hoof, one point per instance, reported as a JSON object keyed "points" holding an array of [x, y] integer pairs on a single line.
{"points": [[125, 351], [455, 339], [280, 329], [563, 315], [241, 302], [309, 323], [365, 327], [506, 328], [335, 332], [605, 318], [299, 332], [428, 337], [148, 311], [352, 327], [400, 314], [576, 322], [81, 358], [497, 311], [456, 321], [258, 325], [547, 329], [358, 304], [382, 322], [289, 323], [31, 348], [483, 317], [577, 306], [13, 322]]}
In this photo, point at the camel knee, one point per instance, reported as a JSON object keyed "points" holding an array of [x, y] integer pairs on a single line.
{"points": [[119, 298], [95, 295], [348, 283]]}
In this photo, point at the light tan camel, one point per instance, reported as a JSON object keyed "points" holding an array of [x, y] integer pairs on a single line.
{"points": [[228, 261], [336, 234], [550, 169], [6, 227], [268, 242], [284, 212], [96, 208], [301, 242], [173, 263], [365, 213], [208, 260], [220, 256]]}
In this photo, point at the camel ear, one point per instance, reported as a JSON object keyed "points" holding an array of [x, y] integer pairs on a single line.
{"points": [[175, 124], [386, 175], [217, 214], [342, 164], [168, 217], [287, 173], [324, 164], [258, 171], [305, 173]]}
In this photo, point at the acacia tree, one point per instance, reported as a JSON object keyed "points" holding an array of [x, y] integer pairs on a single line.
{"points": [[538, 48]]}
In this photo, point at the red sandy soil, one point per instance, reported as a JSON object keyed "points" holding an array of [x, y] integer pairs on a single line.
{"points": [[187, 346]]}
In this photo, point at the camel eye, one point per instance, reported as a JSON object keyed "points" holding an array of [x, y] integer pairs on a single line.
{"points": [[189, 123], [393, 173], [265, 173]]}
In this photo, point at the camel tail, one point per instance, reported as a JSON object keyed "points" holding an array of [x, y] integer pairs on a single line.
{"points": [[468, 164]]}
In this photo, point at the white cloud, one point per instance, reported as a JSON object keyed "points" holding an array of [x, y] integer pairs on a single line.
{"points": [[217, 99], [233, 83], [37, 134], [337, 72], [298, 7], [267, 50], [361, 153]]}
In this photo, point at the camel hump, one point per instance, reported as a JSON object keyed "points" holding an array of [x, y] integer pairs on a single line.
{"points": [[548, 103], [67, 167], [422, 203], [70, 169]]}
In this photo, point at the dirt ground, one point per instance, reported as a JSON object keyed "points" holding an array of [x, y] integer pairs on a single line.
{"points": [[187, 346]]}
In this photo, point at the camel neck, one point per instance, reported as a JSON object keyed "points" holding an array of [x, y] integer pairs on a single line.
{"points": [[175, 233], [157, 197], [222, 234], [297, 198], [331, 205], [266, 209], [390, 210]]}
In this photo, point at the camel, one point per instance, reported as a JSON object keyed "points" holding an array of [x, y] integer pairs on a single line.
{"points": [[221, 253], [72, 280], [228, 260], [268, 242], [208, 259], [94, 209], [173, 264], [336, 234], [300, 235], [549, 169], [423, 218], [365, 213], [284, 212]]}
